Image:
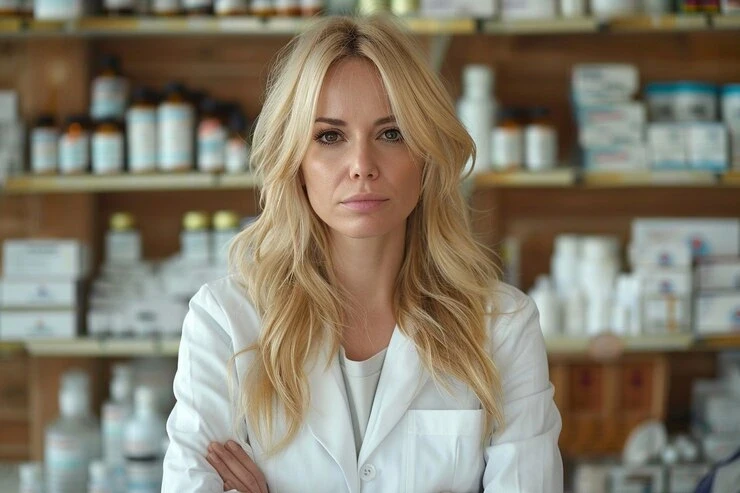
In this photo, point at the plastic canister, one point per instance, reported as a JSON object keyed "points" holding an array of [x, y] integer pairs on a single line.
{"points": [[694, 101]]}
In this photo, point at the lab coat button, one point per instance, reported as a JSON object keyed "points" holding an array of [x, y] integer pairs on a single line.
{"points": [[367, 473]]}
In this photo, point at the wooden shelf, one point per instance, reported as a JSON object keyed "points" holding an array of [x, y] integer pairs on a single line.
{"points": [[554, 178], [124, 182], [420, 25], [9, 26], [607, 179], [549, 26], [726, 21], [731, 178], [667, 22], [86, 347], [646, 343]]}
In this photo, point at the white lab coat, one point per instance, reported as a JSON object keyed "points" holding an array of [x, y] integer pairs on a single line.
{"points": [[419, 438]]}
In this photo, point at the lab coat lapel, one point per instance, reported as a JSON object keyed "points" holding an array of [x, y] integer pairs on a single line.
{"points": [[402, 377], [329, 419]]}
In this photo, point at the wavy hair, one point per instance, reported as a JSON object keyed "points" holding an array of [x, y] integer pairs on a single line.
{"points": [[444, 285]]}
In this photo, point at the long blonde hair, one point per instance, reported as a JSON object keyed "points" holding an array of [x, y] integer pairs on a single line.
{"points": [[282, 259]]}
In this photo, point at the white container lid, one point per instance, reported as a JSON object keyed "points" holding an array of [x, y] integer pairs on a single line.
{"points": [[73, 402]]}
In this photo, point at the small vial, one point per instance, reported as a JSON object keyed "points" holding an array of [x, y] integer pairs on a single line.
{"points": [[508, 140], [195, 239], [225, 227], [404, 7], [74, 146], [115, 8], [540, 141], [237, 149], [230, 7], [176, 124], [262, 8], [109, 90], [123, 241], [211, 138], [141, 131], [44, 146], [107, 148], [166, 8]]}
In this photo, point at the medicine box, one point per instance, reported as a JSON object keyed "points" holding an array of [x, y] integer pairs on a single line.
{"points": [[611, 125], [664, 314], [707, 146], [717, 312], [716, 273], [48, 259], [22, 325], [664, 282], [669, 254], [458, 8], [26, 293], [666, 143], [615, 158], [705, 237], [609, 82]]}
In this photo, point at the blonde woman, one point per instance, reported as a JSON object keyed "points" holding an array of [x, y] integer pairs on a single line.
{"points": [[363, 343]]}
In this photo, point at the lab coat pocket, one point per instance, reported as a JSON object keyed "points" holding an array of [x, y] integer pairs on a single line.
{"points": [[444, 451]]}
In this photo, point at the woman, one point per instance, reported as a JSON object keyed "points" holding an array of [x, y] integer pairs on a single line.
{"points": [[363, 342]]}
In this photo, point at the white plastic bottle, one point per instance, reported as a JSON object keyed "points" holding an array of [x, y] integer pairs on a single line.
{"points": [[31, 477], [476, 110], [548, 304], [70, 442], [116, 413], [142, 444], [100, 478]]}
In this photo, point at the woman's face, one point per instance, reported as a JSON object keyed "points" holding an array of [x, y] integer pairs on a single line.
{"points": [[359, 174]]}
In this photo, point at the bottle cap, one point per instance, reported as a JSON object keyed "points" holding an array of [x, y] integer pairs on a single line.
{"points": [[145, 398], [174, 87], [195, 221], [45, 121], [122, 221], [111, 62], [223, 220], [73, 402], [478, 80]]}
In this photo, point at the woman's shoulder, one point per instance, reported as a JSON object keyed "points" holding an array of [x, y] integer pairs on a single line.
{"points": [[514, 319], [225, 301]]}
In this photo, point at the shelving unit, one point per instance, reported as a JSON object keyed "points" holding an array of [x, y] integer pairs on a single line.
{"points": [[604, 179], [102, 348]]}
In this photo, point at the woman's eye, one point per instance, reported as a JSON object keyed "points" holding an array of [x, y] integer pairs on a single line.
{"points": [[328, 138], [392, 134]]}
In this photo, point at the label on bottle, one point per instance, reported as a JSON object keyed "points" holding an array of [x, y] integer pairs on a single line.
{"points": [[225, 7], [118, 4], [144, 476], [237, 155], [74, 153], [113, 420], [211, 145], [107, 153], [540, 147], [175, 121], [507, 148], [196, 4], [44, 150], [108, 97], [165, 6], [66, 461], [141, 129]]}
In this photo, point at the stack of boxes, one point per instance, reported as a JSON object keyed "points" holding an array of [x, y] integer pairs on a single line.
{"points": [[718, 295], [41, 293], [11, 135], [611, 126]]}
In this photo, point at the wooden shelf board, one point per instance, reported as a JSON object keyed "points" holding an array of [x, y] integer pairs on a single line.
{"points": [[726, 21], [86, 347], [553, 178], [731, 178], [124, 182], [10, 25], [240, 180], [426, 25], [550, 26], [650, 179], [667, 22], [646, 343]]}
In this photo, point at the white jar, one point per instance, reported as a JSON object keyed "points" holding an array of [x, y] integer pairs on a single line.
{"points": [[507, 143], [141, 132], [476, 110], [107, 148], [56, 10], [176, 124], [512, 10], [44, 147], [195, 238], [573, 8], [540, 146], [565, 262], [74, 147]]}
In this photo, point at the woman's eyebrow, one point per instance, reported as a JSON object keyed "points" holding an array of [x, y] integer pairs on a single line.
{"points": [[340, 123]]}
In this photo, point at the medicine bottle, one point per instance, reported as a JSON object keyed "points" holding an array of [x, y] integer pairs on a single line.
{"points": [[404, 7], [508, 140], [309, 8], [109, 90], [230, 7], [176, 123], [225, 227], [166, 8], [195, 239], [142, 441], [74, 146], [287, 8], [141, 131], [237, 149], [122, 241], [198, 7], [44, 146], [211, 137], [107, 147], [540, 141], [115, 8], [262, 8]]}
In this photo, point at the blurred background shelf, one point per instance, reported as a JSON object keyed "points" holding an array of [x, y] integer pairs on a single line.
{"points": [[650, 179], [726, 21], [125, 182], [555, 26], [648, 343], [565, 177], [85, 347], [668, 22]]}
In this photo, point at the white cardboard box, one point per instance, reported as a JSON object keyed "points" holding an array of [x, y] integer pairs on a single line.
{"points": [[594, 82], [716, 273], [611, 125], [708, 146], [660, 281], [25, 293], [667, 147], [615, 158], [717, 312], [669, 254], [48, 259], [705, 237], [458, 8], [21, 325]]}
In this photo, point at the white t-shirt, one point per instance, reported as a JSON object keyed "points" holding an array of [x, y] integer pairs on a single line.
{"points": [[361, 380]]}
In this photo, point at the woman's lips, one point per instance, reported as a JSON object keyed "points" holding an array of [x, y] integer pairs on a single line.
{"points": [[364, 205]]}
